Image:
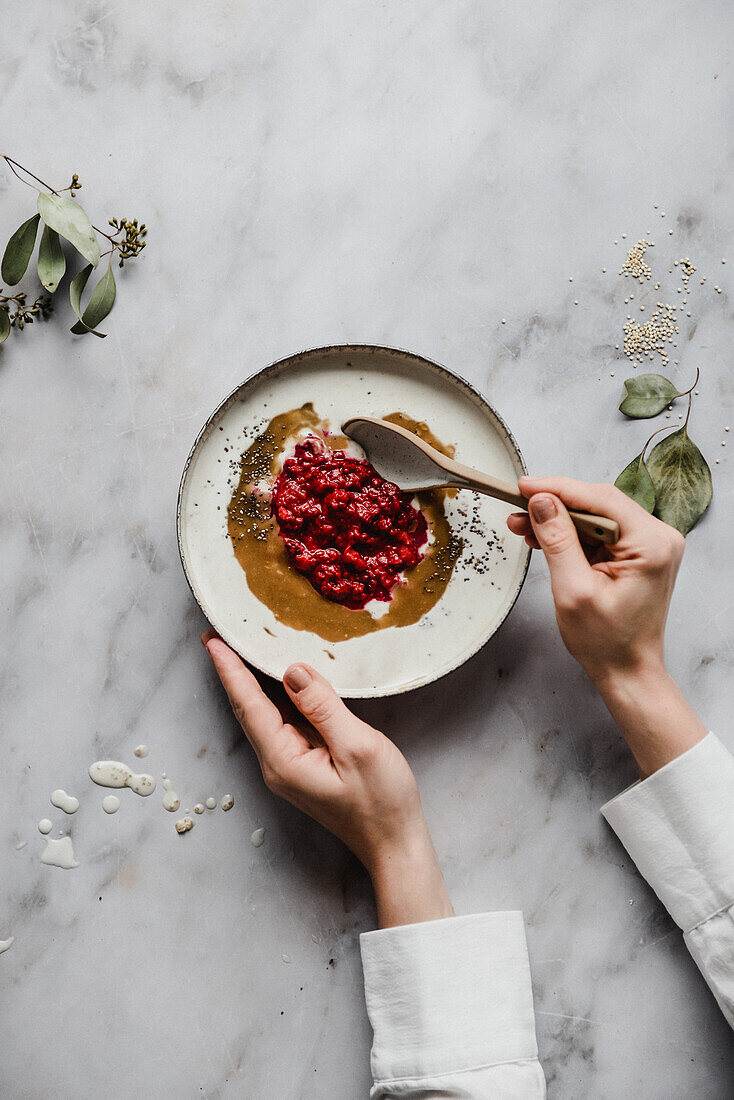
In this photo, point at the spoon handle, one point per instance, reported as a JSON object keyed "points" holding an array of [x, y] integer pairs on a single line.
{"points": [[598, 528]]}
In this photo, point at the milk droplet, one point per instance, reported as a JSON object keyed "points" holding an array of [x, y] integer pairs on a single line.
{"points": [[171, 801], [199, 808], [110, 803], [45, 826], [184, 825], [285, 958], [59, 853], [5, 944], [111, 773], [20, 844], [211, 803], [64, 801], [141, 750], [227, 802], [257, 838]]}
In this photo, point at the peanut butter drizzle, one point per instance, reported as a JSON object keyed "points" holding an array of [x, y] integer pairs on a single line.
{"points": [[261, 552]]}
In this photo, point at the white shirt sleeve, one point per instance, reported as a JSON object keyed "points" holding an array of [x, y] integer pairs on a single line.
{"points": [[678, 827], [451, 1007]]}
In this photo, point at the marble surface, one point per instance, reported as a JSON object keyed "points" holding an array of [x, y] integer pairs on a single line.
{"points": [[406, 174]]}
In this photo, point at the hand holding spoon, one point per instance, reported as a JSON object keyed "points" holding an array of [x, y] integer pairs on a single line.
{"points": [[413, 465]]}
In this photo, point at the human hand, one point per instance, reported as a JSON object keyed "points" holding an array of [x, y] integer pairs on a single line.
{"points": [[346, 775], [611, 602], [611, 607]]}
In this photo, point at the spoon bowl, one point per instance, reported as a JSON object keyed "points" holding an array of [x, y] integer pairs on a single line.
{"points": [[412, 464]]}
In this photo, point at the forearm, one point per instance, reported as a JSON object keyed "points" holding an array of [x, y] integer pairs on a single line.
{"points": [[408, 883], [654, 718]]}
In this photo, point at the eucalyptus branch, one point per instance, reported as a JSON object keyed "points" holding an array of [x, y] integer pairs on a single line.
{"points": [[63, 218]]}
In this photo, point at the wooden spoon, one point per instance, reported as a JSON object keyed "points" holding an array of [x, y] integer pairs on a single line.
{"points": [[413, 465]]}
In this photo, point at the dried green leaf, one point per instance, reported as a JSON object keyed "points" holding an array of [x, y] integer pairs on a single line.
{"points": [[18, 251], [69, 220], [636, 482], [76, 288], [99, 305], [682, 481], [4, 324], [51, 260], [646, 395]]}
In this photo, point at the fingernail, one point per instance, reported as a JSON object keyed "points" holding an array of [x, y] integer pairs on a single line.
{"points": [[297, 678], [543, 507]]}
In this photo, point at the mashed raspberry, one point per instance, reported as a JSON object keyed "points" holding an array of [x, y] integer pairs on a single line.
{"points": [[345, 528]]}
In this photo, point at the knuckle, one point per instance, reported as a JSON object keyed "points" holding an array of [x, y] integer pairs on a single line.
{"points": [[273, 777], [575, 600], [320, 708], [560, 538]]}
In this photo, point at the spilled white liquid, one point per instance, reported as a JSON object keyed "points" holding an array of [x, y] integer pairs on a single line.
{"points": [[59, 853], [20, 844], [199, 808], [210, 803], [227, 802], [110, 804], [257, 838], [5, 944], [111, 773], [64, 801], [171, 801], [141, 750], [45, 826], [184, 825]]}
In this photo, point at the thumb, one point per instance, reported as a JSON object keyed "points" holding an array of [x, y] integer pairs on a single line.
{"points": [[316, 699], [559, 542]]}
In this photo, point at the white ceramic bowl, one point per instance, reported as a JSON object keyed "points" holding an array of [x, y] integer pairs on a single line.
{"points": [[343, 381]]}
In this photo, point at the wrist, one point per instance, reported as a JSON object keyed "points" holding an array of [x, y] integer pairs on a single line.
{"points": [[637, 680], [651, 712], [407, 881]]}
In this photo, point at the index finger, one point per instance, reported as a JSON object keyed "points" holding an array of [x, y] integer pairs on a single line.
{"points": [[601, 499], [259, 717]]}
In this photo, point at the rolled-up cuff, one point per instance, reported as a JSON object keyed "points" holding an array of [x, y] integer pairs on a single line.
{"points": [[448, 995], [678, 827]]}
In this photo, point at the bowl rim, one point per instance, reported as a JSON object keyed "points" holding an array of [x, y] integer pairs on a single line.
{"points": [[272, 368]]}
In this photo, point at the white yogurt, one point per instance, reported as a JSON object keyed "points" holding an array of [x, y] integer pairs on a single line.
{"points": [[111, 773], [210, 803], [64, 801], [141, 750], [257, 838], [5, 944], [171, 801], [45, 826], [20, 844], [184, 825], [228, 802], [110, 804], [59, 853], [199, 808]]}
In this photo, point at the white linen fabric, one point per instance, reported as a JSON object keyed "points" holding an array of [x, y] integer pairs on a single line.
{"points": [[678, 827], [450, 1001]]}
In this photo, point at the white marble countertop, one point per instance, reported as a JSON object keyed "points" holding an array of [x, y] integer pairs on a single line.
{"points": [[406, 174]]}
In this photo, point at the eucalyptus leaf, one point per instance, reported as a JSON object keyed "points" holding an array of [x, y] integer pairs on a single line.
{"points": [[51, 260], [18, 251], [646, 395], [100, 303], [70, 221], [4, 325], [682, 481], [636, 482]]}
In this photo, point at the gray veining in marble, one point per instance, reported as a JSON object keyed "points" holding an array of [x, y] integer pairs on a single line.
{"points": [[314, 173]]}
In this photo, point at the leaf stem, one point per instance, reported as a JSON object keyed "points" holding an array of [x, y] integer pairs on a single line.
{"points": [[665, 428], [12, 162], [688, 414], [684, 392]]}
